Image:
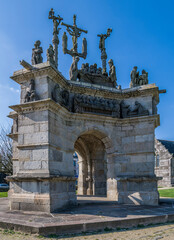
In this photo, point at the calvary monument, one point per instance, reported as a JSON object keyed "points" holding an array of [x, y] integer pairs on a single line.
{"points": [[110, 128]]}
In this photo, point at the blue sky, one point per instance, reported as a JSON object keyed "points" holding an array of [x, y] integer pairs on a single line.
{"points": [[143, 35]]}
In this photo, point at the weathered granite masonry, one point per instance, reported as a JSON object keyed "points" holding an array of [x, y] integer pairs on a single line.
{"points": [[164, 162], [116, 152]]}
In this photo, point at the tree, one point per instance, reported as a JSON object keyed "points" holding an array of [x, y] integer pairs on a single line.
{"points": [[6, 164]]}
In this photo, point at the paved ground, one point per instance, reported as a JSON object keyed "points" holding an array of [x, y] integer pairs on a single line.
{"points": [[165, 232], [87, 216]]}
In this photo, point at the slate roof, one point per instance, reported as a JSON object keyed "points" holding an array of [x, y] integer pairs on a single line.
{"points": [[169, 145]]}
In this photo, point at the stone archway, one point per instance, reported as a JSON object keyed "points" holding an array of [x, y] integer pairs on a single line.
{"points": [[91, 147]]}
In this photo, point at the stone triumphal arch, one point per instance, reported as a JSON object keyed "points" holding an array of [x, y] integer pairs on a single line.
{"points": [[111, 129]]}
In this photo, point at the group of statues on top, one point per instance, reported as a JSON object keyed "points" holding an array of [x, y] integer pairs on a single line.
{"points": [[92, 69], [75, 32], [138, 80]]}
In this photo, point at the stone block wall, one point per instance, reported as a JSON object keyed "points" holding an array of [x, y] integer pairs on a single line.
{"points": [[164, 165]]}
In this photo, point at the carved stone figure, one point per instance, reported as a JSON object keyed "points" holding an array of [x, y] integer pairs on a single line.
{"points": [[138, 110], [83, 67], [99, 70], [138, 80], [64, 42], [143, 79], [84, 47], [112, 73], [75, 32], [103, 49], [134, 77], [65, 97], [50, 54], [37, 53], [56, 93], [73, 72], [86, 103], [124, 109], [55, 40], [31, 93], [91, 69]]}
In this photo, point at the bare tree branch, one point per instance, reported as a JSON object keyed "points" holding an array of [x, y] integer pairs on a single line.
{"points": [[6, 164]]}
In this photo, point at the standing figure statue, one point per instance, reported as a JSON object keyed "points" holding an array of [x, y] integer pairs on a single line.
{"points": [[37, 53], [55, 40], [84, 47], [143, 79], [64, 42], [50, 54], [73, 72], [134, 77], [103, 49], [112, 73]]}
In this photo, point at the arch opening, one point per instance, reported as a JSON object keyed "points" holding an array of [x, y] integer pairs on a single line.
{"points": [[92, 163]]}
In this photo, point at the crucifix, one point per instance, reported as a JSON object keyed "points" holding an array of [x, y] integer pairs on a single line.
{"points": [[55, 41], [75, 32], [102, 47]]}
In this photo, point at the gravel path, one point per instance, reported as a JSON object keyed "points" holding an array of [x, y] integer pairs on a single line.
{"points": [[165, 232]]}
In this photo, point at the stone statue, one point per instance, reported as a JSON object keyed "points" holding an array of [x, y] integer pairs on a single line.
{"points": [[134, 77], [95, 67], [64, 42], [103, 49], [99, 70], [112, 73], [143, 79], [55, 40], [91, 69], [75, 32], [83, 68], [84, 47], [86, 70], [56, 93], [50, 54], [31, 93], [124, 109], [73, 72], [64, 97], [37, 53], [138, 110]]}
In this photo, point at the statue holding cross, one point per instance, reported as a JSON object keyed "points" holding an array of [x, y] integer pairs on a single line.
{"points": [[56, 22]]}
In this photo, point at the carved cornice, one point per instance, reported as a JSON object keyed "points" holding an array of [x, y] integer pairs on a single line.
{"points": [[51, 105], [138, 178], [46, 69], [30, 177]]}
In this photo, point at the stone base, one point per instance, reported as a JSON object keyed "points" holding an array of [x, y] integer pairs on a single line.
{"points": [[42, 194], [140, 190], [139, 198]]}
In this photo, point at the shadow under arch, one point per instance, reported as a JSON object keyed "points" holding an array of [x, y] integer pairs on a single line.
{"points": [[92, 147]]}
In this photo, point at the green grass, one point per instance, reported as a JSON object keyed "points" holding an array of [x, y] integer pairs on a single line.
{"points": [[166, 192], [3, 194]]}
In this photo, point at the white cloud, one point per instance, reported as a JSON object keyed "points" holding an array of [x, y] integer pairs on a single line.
{"points": [[12, 89]]}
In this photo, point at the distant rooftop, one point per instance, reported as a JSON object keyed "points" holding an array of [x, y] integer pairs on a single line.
{"points": [[169, 145]]}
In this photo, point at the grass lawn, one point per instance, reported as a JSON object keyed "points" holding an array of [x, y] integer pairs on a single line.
{"points": [[166, 192], [3, 194]]}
